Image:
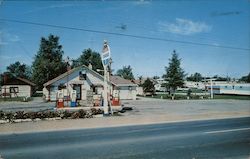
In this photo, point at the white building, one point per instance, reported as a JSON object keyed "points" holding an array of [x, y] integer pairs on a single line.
{"points": [[88, 85], [196, 85], [230, 88], [159, 85], [17, 87]]}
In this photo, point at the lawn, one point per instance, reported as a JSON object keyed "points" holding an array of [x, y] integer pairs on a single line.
{"points": [[184, 97], [239, 97]]}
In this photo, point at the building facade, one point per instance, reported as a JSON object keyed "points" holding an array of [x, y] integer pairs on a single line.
{"points": [[17, 87], [88, 85]]}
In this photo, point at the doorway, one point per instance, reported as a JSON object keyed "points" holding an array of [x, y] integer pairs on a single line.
{"points": [[78, 89]]}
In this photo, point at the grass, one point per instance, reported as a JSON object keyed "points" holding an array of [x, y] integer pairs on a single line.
{"points": [[184, 97], [237, 97], [193, 91]]}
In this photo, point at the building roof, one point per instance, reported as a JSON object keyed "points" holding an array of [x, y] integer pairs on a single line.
{"points": [[115, 80], [119, 81], [61, 76], [70, 72], [18, 81]]}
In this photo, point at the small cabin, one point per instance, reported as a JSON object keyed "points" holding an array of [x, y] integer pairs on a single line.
{"points": [[17, 87]]}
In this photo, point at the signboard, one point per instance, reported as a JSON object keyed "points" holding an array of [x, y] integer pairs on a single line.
{"points": [[106, 55]]}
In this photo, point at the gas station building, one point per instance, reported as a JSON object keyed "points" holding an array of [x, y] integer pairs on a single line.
{"points": [[87, 87]]}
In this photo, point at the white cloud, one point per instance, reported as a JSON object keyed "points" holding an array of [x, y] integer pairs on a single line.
{"points": [[184, 27], [142, 2], [6, 38]]}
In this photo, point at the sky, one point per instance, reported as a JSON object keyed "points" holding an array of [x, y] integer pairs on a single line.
{"points": [[220, 24]]}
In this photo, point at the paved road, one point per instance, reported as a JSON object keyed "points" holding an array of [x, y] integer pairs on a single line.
{"points": [[226, 138]]}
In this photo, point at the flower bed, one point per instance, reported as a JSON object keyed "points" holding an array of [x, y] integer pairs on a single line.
{"points": [[21, 116]]}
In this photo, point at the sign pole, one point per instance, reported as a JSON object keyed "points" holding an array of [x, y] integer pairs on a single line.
{"points": [[105, 93], [106, 56]]}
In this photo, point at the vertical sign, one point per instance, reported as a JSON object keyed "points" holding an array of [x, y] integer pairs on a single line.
{"points": [[106, 55]]}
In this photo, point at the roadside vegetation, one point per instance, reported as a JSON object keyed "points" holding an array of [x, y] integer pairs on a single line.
{"points": [[20, 116]]}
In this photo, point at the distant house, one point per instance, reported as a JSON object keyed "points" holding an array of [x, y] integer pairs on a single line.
{"points": [[127, 89], [88, 85], [17, 87]]}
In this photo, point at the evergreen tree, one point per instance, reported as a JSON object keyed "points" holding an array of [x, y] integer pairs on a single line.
{"points": [[196, 77], [174, 73], [126, 73], [48, 62], [148, 86]]}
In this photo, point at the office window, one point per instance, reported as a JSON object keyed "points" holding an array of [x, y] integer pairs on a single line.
{"points": [[82, 75]]}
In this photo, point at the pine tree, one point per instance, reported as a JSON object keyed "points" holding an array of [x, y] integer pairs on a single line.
{"points": [[126, 73], [148, 86], [174, 73], [48, 62]]}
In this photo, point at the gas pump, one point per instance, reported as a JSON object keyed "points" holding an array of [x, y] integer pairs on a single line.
{"points": [[73, 98], [115, 99], [59, 97]]}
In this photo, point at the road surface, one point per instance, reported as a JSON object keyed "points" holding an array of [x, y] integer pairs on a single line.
{"points": [[225, 138]]}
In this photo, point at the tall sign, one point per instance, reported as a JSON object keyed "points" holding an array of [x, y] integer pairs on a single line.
{"points": [[106, 59], [106, 54]]}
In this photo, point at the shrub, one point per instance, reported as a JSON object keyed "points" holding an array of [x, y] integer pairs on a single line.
{"points": [[75, 115], [82, 113], [96, 111], [9, 116], [19, 115], [1, 115]]}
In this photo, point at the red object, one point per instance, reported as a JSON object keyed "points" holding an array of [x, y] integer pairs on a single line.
{"points": [[60, 104], [115, 102]]}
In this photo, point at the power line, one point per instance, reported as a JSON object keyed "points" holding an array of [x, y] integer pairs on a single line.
{"points": [[125, 35]]}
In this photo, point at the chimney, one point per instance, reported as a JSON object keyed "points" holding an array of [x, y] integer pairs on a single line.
{"points": [[5, 78], [90, 66]]}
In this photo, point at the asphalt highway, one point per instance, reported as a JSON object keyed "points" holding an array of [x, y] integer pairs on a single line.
{"points": [[224, 138]]}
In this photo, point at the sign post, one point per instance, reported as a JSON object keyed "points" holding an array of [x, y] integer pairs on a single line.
{"points": [[106, 57]]}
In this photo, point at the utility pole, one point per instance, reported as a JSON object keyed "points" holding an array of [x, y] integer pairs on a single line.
{"points": [[211, 87]]}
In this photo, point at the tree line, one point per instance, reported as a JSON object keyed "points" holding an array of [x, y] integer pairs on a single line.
{"points": [[48, 63]]}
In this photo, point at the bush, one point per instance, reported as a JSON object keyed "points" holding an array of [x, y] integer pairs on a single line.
{"points": [[19, 115], [2, 115], [75, 115], [96, 111], [82, 113], [9, 116]]}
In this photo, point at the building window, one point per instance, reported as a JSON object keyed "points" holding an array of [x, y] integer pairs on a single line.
{"points": [[240, 86], [225, 86], [14, 90], [82, 75]]}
